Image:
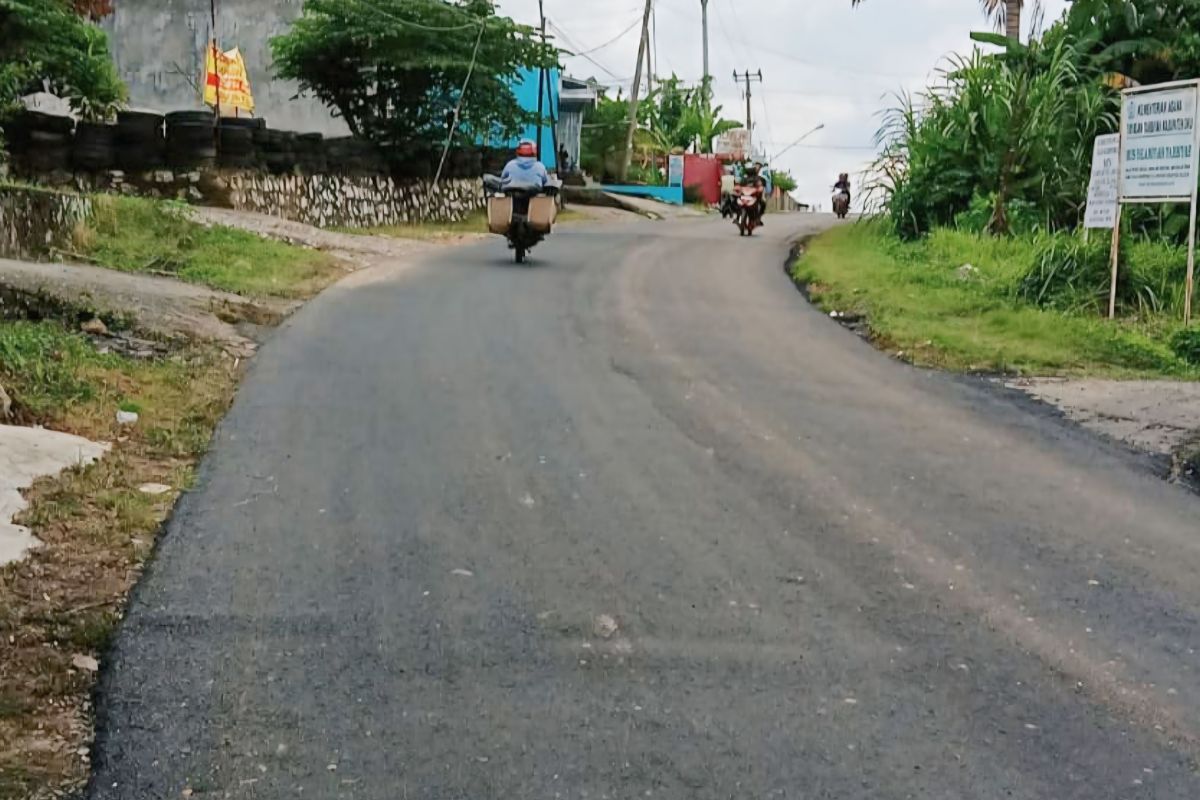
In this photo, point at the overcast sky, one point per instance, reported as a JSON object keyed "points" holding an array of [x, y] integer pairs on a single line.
{"points": [[822, 62]]}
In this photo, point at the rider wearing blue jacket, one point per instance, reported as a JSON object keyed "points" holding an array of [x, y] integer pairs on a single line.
{"points": [[525, 169]]}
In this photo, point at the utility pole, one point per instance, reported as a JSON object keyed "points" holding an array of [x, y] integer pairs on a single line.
{"points": [[704, 29], [541, 84], [746, 77], [649, 68], [633, 91]]}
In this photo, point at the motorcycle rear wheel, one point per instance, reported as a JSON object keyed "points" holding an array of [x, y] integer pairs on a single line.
{"points": [[519, 254]]}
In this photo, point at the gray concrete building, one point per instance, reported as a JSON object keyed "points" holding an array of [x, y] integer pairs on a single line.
{"points": [[159, 47]]}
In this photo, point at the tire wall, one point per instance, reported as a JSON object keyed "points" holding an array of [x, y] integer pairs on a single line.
{"points": [[340, 182]]}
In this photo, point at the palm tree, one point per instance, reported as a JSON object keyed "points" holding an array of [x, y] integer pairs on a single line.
{"points": [[1005, 13]]}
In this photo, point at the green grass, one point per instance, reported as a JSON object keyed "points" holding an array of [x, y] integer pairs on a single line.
{"points": [[916, 302], [475, 222], [138, 235], [45, 368]]}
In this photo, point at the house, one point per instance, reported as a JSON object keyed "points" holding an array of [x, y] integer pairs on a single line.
{"points": [[576, 97]]}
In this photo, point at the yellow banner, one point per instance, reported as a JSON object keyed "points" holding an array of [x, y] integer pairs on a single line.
{"points": [[228, 71]]}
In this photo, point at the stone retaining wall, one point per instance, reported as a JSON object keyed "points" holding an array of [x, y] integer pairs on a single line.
{"points": [[33, 221], [323, 200]]}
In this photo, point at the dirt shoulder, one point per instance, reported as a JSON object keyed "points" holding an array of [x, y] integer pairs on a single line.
{"points": [[144, 366], [1159, 417]]}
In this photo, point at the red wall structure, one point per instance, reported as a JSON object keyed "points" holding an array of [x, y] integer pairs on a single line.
{"points": [[704, 172]]}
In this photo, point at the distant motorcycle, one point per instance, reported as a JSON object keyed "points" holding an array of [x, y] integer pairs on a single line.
{"points": [[749, 210], [524, 215], [841, 203]]}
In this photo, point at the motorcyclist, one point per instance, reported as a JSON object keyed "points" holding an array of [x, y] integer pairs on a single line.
{"points": [[843, 185], [755, 178], [525, 170]]}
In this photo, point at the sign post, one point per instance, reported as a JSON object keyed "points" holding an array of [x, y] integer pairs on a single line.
{"points": [[1160, 145], [1101, 209]]}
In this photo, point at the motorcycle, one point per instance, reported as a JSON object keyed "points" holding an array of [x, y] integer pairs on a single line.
{"points": [[524, 215], [841, 203], [749, 210]]}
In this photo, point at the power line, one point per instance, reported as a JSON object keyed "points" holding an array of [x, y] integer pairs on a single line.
{"points": [[611, 41], [566, 38]]}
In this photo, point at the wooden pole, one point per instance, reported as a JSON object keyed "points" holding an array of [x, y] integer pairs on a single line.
{"points": [[633, 92], [1115, 255], [1191, 263]]}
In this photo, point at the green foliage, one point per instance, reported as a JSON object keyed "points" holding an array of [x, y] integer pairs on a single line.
{"points": [[46, 40], [1024, 217], [674, 117], [1014, 126], [137, 235], [784, 180], [920, 300], [395, 69], [1186, 344], [44, 366]]}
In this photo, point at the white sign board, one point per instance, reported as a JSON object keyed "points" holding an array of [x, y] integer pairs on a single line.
{"points": [[674, 170], [734, 143], [1101, 211], [1158, 151]]}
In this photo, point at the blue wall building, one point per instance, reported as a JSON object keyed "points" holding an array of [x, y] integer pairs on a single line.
{"points": [[525, 87]]}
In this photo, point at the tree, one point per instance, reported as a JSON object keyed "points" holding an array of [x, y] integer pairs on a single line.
{"points": [[784, 180], [1005, 13], [45, 43], [395, 70]]}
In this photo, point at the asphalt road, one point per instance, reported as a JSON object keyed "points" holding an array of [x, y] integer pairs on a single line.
{"points": [[636, 521]]}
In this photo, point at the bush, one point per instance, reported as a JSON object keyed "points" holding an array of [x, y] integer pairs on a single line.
{"points": [[1067, 274], [1186, 344], [1023, 216]]}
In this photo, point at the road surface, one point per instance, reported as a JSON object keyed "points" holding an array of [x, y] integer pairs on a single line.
{"points": [[635, 521]]}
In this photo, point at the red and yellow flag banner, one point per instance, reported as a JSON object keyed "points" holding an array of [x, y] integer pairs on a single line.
{"points": [[228, 72]]}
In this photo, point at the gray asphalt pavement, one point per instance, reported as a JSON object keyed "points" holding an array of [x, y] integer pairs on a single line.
{"points": [[635, 521]]}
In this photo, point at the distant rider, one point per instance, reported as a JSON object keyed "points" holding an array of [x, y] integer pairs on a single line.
{"points": [[525, 170], [843, 185]]}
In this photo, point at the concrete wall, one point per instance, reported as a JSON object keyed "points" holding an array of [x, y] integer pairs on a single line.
{"points": [[34, 221], [159, 49]]}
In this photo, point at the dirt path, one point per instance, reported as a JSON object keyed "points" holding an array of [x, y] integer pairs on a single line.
{"points": [[162, 307]]}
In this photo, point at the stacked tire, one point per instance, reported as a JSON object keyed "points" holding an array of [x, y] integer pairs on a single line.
{"points": [[279, 152], [140, 144], [93, 149], [191, 140], [237, 149], [348, 155], [310, 153], [46, 141]]}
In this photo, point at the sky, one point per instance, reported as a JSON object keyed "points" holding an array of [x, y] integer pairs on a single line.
{"points": [[823, 63]]}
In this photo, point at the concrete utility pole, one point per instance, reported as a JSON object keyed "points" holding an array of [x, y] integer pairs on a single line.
{"points": [[704, 28], [746, 77], [633, 90], [541, 84]]}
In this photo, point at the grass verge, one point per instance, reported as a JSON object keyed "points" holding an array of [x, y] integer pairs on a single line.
{"points": [[157, 237], [920, 300], [98, 528]]}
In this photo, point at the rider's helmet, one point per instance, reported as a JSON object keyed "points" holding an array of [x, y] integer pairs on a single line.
{"points": [[526, 149], [845, 176]]}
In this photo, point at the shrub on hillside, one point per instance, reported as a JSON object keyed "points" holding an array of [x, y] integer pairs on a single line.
{"points": [[1186, 344]]}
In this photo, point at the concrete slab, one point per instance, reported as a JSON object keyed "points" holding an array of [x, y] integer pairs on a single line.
{"points": [[27, 454]]}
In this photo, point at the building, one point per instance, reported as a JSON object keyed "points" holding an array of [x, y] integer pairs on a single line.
{"points": [[159, 47], [576, 97]]}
